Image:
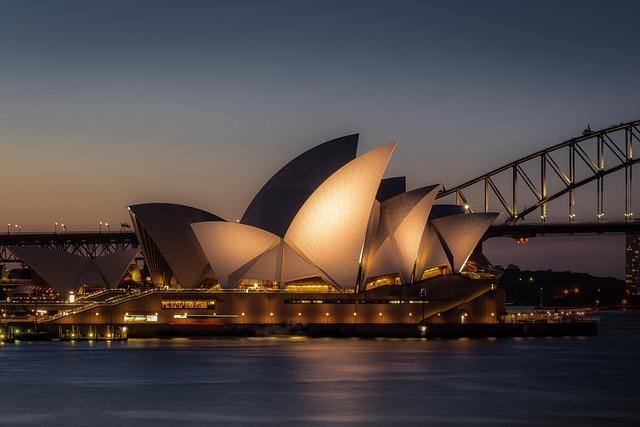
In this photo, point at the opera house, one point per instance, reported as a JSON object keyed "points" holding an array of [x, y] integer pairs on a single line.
{"points": [[326, 240]]}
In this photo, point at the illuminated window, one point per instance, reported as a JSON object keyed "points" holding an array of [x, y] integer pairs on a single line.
{"points": [[140, 318], [190, 304]]}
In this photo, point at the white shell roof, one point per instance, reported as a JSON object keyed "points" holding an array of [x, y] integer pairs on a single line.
{"points": [[64, 271], [331, 226], [229, 246], [169, 226], [460, 234]]}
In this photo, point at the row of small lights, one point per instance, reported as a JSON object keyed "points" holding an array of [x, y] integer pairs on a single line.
{"points": [[18, 227], [572, 216], [327, 314]]}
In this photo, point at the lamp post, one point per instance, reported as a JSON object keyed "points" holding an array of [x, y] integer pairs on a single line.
{"points": [[108, 227], [100, 227], [8, 228], [55, 228], [423, 294], [95, 329]]}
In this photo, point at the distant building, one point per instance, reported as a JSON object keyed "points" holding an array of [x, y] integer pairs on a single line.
{"points": [[632, 276]]}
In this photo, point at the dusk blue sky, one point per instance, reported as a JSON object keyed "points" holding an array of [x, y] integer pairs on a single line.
{"points": [[105, 104]]}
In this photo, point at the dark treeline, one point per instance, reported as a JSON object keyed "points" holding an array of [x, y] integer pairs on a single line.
{"points": [[563, 289]]}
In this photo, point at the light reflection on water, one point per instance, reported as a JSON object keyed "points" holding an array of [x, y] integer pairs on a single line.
{"points": [[528, 381]]}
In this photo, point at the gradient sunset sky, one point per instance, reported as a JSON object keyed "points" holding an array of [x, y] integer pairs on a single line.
{"points": [[105, 104]]}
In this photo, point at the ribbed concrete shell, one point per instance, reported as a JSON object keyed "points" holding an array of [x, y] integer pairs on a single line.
{"points": [[402, 221], [279, 200], [390, 187], [460, 234], [431, 252], [384, 261], [168, 243], [61, 270], [410, 212], [229, 246], [65, 272], [280, 264], [295, 267], [266, 266], [441, 210], [114, 266], [331, 226]]}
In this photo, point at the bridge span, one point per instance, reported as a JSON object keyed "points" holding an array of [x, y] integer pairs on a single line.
{"points": [[94, 244]]}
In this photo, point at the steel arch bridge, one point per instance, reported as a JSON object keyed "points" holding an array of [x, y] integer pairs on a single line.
{"points": [[583, 162], [87, 244]]}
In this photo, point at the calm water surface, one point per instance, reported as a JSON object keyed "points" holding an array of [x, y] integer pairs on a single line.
{"points": [[294, 381]]}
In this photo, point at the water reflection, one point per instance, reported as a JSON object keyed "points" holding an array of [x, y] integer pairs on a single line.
{"points": [[538, 381]]}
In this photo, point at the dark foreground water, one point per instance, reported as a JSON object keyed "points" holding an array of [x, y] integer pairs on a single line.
{"points": [[293, 381]]}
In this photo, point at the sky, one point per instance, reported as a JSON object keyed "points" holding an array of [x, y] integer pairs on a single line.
{"points": [[106, 104]]}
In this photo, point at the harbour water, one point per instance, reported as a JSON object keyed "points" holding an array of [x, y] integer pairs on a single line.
{"points": [[305, 381]]}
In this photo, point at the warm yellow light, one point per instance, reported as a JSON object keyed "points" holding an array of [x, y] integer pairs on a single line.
{"points": [[299, 314], [410, 314], [379, 314], [243, 314], [270, 314], [355, 314]]}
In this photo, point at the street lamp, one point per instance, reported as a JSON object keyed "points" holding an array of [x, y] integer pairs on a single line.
{"points": [[55, 227], [100, 227], [108, 227], [95, 329], [423, 294], [8, 226]]}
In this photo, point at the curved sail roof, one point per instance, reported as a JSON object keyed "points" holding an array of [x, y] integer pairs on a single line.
{"points": [[383, 261], [390, 187], [295, 267], [169, 228], [61, 270], [402, 221], [279, 200], [114, 266], [330, 228], [229, 246], [406, 216], [265, 266], [431, 252], [460, 234], [64, 271], [280, 264]]}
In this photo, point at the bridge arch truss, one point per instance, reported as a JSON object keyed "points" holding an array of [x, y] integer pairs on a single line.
{"points": [[573, 163]]}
